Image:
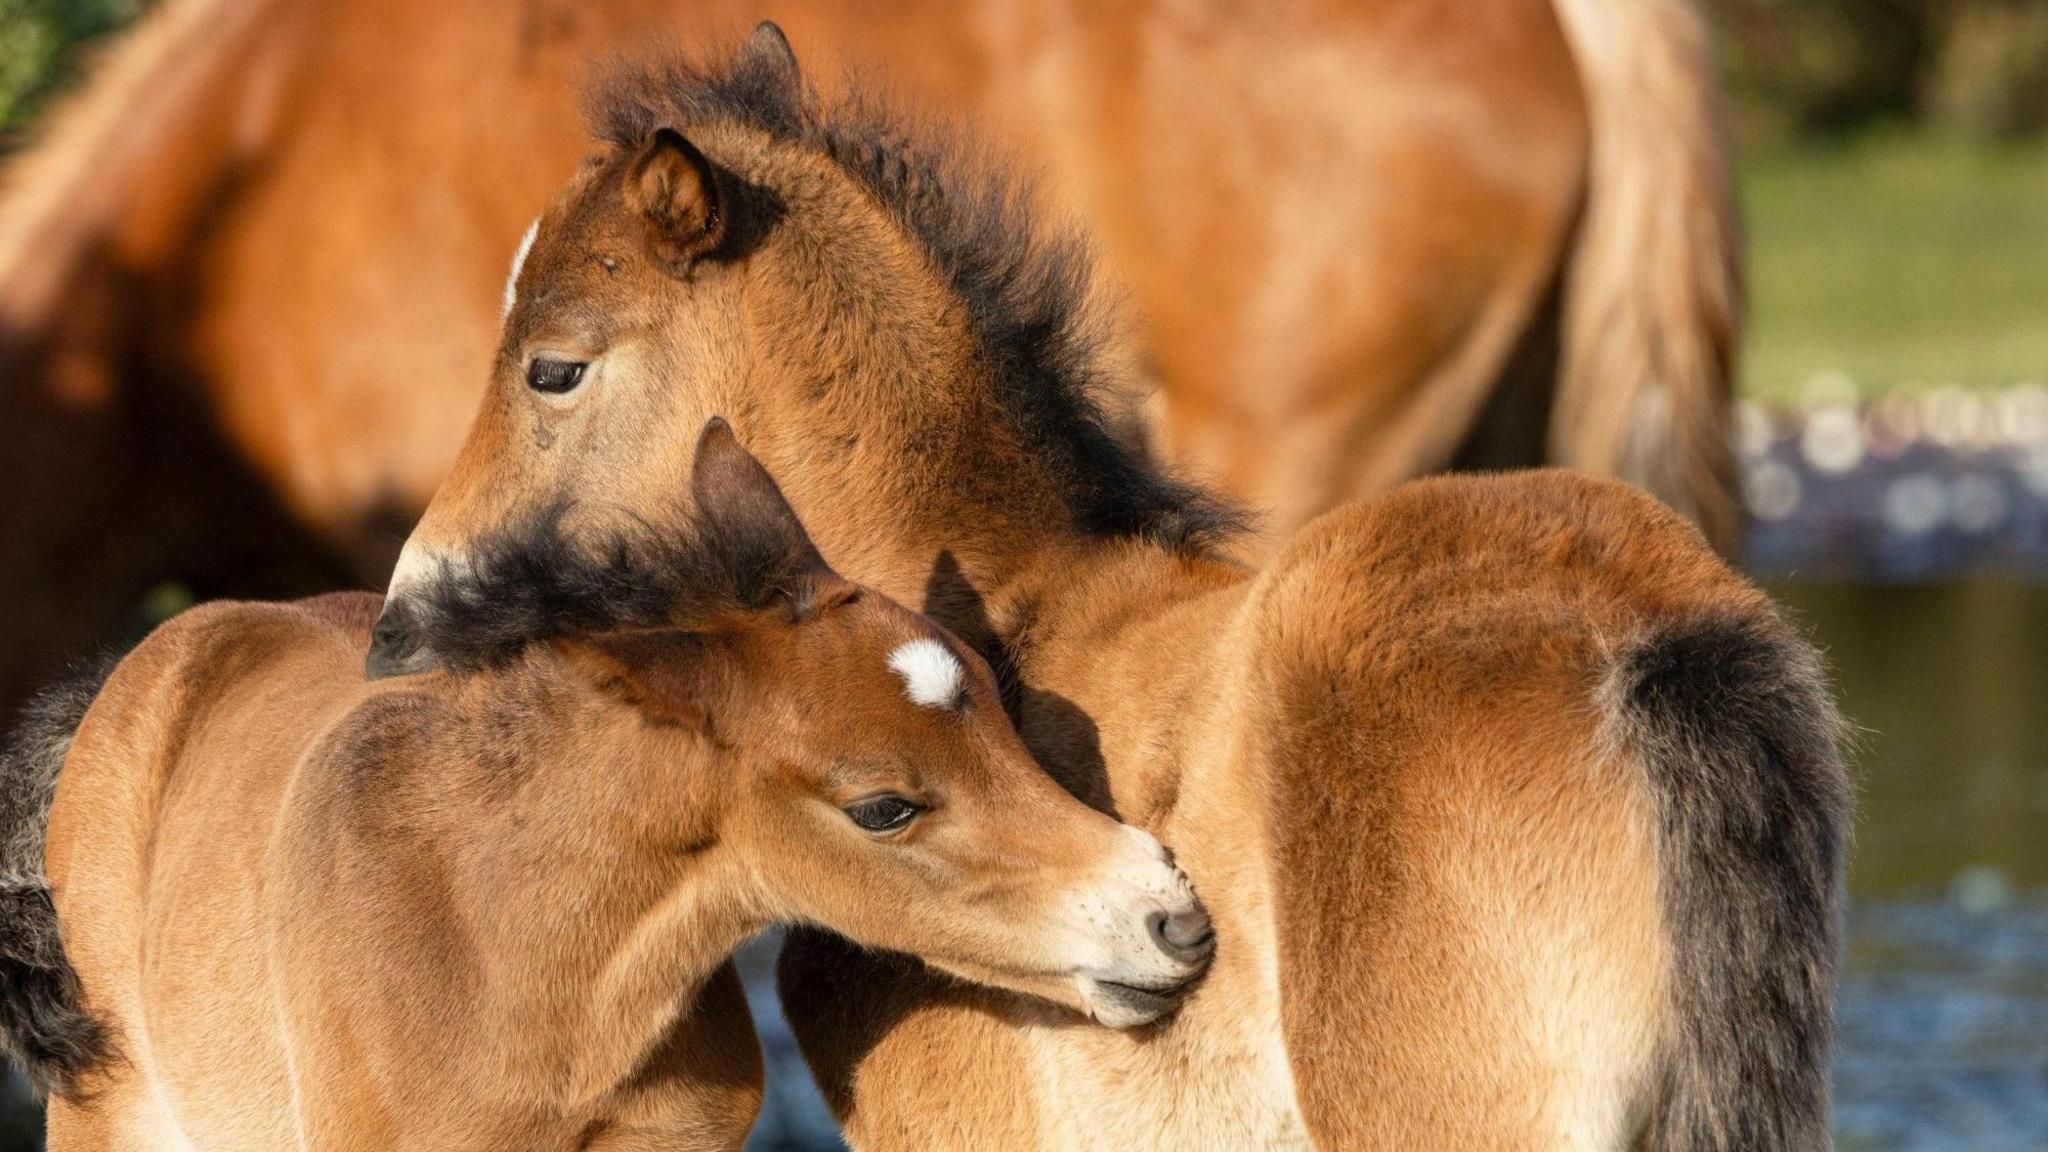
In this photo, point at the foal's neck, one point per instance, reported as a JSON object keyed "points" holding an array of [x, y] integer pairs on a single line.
{"points": [[646, 906], [1108, 648]]}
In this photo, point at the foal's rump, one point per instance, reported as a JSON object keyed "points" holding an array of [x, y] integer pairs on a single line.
{"points": [[1557, 816]]}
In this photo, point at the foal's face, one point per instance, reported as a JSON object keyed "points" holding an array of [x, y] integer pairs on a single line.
{"points": [[870, 780], [660, 288], [614, 345], [896, 805]]}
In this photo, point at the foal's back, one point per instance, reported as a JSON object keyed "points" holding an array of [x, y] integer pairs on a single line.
{"points": [[178, 772], [252, 853]]}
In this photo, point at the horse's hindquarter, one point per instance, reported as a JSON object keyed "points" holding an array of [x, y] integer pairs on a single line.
{"points": [[1473, 951], [159, 846], [1431, 868]]}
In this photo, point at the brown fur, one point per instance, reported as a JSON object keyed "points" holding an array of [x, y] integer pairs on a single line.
{"points": [[1349, 231], [493, 910], [1476, 778]]}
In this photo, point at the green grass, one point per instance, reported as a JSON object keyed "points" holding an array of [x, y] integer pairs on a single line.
{"points": [[38, 47], [1899, 260]]}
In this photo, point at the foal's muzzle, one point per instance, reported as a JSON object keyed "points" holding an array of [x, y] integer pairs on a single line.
{"points": [[394, 649]]}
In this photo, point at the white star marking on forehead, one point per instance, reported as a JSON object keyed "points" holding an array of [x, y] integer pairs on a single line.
{"points": [[518, 262], [932, 676]]}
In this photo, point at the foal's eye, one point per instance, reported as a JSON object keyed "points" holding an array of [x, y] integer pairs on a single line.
{"points": [[882, 813], [544, 375]]}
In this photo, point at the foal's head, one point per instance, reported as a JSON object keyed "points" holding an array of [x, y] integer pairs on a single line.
{"points": [[904, 347], [852, 760]]}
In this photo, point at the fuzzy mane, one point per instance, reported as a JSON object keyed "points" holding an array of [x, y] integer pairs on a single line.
{"points": [[535, 579], [1025, 292], [45, 1029]]}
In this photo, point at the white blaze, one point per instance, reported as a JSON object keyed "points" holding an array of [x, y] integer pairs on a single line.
{"points": [[518, 262], [932, 676]]}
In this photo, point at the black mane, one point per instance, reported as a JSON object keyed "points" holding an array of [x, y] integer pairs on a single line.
{"points": [[1025, 293], [534, 579]]}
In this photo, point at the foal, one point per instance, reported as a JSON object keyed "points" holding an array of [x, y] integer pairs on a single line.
{"points": [[491, 908]]}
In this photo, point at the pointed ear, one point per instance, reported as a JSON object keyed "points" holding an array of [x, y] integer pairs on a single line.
{"points": [[670, 675], [753, 529], [767, 55], [672, 186]]}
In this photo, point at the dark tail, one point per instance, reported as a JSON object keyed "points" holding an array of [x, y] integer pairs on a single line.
{"points": [[1733, 721], [44, 1027]]}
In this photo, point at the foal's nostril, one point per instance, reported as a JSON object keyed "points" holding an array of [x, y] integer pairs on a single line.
{"points": [[1184, 935], [393, 651]]}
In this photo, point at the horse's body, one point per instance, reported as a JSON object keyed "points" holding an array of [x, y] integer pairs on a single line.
{"points": [[255, 264], [1518, 812], [494, 910]]}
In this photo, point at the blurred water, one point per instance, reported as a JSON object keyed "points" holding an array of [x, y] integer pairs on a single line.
{"points": [[1944, 1001], [1944, 1029]]}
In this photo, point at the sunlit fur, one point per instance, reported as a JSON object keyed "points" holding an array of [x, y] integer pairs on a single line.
{"points": [[1519, 814], [492, 909]]}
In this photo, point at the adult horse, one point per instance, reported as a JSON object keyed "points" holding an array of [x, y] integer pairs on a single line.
{"points": [[1518, 813], [251, 265]]}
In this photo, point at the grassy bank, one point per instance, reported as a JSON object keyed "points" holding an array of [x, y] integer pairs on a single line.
{"points": [[1899, 260]]}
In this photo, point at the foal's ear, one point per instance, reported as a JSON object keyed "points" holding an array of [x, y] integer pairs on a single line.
{"points": [[673, 187], [670, 675], [753, 530], [767, 55]]}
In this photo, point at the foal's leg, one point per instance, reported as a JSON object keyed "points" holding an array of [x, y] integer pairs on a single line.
{"points": [[702, 1089]]}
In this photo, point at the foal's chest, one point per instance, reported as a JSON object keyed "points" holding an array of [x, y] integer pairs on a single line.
{"points": [[1216, 1081]]}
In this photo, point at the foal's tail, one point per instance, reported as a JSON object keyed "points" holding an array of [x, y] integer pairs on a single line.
{"points": [[1654, 287], [1731, 719], [44, 1027]]}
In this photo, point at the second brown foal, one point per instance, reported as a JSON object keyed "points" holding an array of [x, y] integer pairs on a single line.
{"points": [[491, 907]]}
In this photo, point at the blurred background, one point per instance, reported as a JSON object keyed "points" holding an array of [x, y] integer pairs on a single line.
{"points": [[1893, 439]]}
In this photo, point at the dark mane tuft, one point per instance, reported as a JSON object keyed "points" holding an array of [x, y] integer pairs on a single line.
{"points": [[44, 1026], [1025, 293], [535, 579]]}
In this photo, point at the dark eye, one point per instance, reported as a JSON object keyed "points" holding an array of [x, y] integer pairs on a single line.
{"points": [[882, 813], [544, 375]]}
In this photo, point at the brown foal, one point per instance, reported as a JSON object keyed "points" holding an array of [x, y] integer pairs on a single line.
{"points": [[492, 907]]}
